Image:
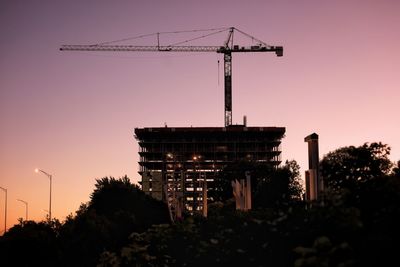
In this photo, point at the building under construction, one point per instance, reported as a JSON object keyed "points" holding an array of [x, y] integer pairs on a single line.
{"points": [[178, 164], [181, 163]]}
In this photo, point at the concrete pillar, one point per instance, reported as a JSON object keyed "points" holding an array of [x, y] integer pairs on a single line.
{"points": [[205, 200], [314, 184], [242, 193], [248, 192]]}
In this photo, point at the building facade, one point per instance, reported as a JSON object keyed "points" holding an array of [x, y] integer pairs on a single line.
{"points": [[181, 163]]}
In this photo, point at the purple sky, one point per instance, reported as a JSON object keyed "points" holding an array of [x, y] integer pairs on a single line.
{"points": [[73, 113]]}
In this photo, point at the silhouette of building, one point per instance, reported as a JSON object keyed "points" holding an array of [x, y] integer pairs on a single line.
{"points": [[176, 162]]}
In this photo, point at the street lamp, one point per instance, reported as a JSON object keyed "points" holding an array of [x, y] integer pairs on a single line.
{"points": [[5, 210], [50, 178], [26, 208]]}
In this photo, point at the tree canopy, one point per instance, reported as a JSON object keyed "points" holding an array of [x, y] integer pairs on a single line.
{"points": [[348, 167], [116, 209], [270, 185], [30, 244], [119, 198]]}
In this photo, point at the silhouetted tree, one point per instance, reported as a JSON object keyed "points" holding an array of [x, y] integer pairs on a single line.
{"points": [[396, 170], [270, 185], [120, 200], [222, 189], [279, 186], [30, 243], [362, 179], [348, 167], [115, 210]]}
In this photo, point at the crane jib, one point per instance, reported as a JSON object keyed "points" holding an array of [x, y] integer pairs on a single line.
{"points": [[219, 49]]}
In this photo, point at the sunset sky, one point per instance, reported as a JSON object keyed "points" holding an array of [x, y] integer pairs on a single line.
{"points": [[72, 114]]}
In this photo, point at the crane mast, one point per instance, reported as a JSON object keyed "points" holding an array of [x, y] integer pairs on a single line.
{"points": [[227, 49]]}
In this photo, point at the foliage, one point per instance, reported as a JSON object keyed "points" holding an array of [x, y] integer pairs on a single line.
{"points": [[30, 243], [327, 234], [222, 189], [396, 170], [280, 187], [119, 200], [348, 167], [324, 253], [116, 209], [270, 185], [228, 239]]}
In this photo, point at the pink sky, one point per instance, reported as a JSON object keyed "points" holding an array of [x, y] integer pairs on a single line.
{"points": [[72, 114]]}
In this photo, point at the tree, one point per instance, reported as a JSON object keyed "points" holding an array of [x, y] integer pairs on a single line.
{"points": [[119, 198], [362, 178], [270, 185], [396, 170], [348, 167], [115, 210], [280, 186], [30, 243]]}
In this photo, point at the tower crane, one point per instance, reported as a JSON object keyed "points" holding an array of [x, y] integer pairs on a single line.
{"points": [[226, 49]]}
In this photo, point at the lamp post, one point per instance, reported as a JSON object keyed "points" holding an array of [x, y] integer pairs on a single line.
{"points": [[26, 208], [50, 178], [5, 210]]}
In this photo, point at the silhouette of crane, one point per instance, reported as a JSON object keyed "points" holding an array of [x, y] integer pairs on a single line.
{"points": [[227, 49]]}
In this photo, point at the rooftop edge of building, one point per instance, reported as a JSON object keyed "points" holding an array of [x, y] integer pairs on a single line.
{"points": [[232, 128]]}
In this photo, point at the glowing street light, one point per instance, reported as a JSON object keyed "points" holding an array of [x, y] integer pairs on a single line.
{"points": [[5, 210], [50, 178], [26, 208]]}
